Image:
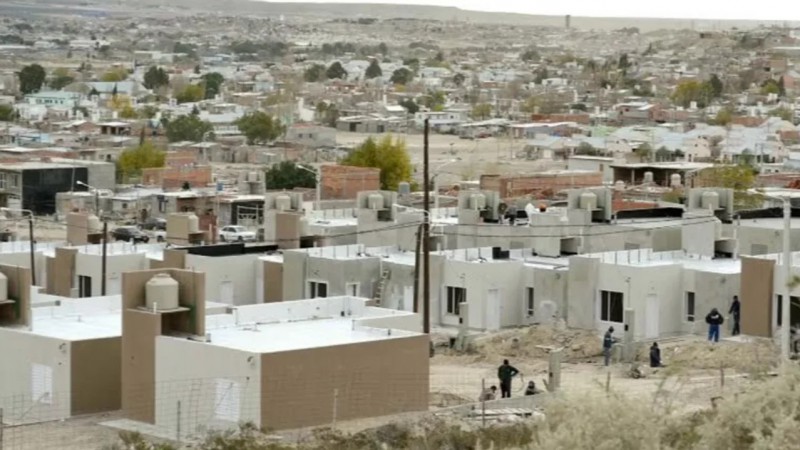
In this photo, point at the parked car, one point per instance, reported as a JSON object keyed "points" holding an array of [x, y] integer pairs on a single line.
{"points": [[154, 223], [130, 234], [236, 233]]}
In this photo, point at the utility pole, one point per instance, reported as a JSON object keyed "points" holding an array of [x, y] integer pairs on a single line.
{"points": [[416, 268], [103, 269], [786, 309], [33, 249], [426, 244]]}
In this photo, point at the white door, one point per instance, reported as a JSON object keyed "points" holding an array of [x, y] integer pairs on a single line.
{"points": [[651, 316], [226, 292], [408, 299], [113, 287], [493, 309]]}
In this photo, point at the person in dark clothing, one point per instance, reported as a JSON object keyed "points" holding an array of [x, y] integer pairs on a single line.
{"points": [[655, 355], [734, 312], [714, 320], [531, 389], [608, 342], [505, 373]]}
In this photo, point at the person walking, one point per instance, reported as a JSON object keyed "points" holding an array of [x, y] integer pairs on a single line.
{"points": [[655, 355], [736, 308], [714, 320], [505, 373], [608, 342]]}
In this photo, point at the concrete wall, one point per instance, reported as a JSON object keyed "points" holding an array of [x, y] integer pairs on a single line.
{"points": [[711, 290], [757, 286], [91, 265], [756, 241], [582, 281], [549, 285], [195, 374], [240, 270], [299, 268], [478, 279], [21, 350]]}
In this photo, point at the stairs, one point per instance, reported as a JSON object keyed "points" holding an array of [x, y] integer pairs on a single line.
{"points": [[381, 286]]}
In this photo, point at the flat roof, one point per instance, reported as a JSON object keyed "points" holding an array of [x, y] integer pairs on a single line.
{"points": [[648, 258], [769, 223], [665, 166], [302, 324], [79, 319]]}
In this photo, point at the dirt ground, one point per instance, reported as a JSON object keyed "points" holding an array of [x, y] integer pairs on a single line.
{"points": [[695, 373]]}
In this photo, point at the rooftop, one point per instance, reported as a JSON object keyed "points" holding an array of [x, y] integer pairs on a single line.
{"points": [[79, 319], [648, 258], [303, 324]]}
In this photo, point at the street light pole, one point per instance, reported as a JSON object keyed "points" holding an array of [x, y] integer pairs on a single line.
{"points": [[426, 229]]}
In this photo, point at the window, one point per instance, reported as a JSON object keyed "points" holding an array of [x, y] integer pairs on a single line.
{"points": [[2, 181], [227, 400], [84, 286], [611, 306], [529, 305], [795, 301], [455, 296], [317, 289], [690, 306]]}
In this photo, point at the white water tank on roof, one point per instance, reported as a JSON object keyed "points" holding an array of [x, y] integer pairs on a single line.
{"points": [[3, 287], [252, 176], [375, 201], [161, 292], [675, 180], [709, 200], [194, 223], [588, 200], [477, 201], [619, 185], [283, 203], [93, 224], [648, 177]]}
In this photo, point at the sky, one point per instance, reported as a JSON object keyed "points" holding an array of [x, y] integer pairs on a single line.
{"points": [[684, 9]]}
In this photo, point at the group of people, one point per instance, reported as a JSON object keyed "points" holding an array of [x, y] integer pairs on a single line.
{"points": [[714, 320], [505, 373]]}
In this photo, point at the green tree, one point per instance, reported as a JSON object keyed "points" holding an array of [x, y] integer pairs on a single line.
{"points": [[401, 76], [155, 77], [663, 154], [260, 128], [724, 117], [481, 111], [770, 87], [188, 128], [336, 70], [115, 75], [7, 113], [434, 101], [587, 149], [716, 86], [389, 155], [287, 175], [59, 82], [782, 112], [410, 105], [31, 78], [645, 152], [314, 73], [458, 79], [530, 55], [739, 177], [148, 111], [212, 83], [374, 70], [131, 161], [191, 93], [412, 63], [692, 91], [328, 114], [623, 62]]}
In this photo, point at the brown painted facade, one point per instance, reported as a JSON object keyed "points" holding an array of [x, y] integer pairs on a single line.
{"points": [[756, 296], [299, 388], [95, 375], [140, 329]]}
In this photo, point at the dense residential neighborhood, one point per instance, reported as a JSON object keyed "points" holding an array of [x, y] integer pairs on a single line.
{"points": [[259, 225]]}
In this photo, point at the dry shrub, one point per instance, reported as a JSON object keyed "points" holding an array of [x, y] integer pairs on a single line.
{"points": [[605, 423], [527, 342], [756, 357], [766, 417]]}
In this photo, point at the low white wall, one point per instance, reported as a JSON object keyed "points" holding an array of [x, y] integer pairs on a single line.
{"points": [[34, 377], [217, 387]]}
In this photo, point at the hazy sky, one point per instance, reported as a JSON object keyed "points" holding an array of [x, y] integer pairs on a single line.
{"points": [[699, 9]]}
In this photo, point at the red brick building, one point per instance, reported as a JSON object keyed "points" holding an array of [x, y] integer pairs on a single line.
{"points": [[345, 182], [521, 185]]}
